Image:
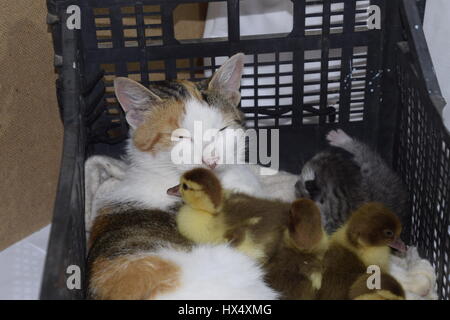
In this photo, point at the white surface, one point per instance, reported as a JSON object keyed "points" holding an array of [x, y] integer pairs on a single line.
{"points": [[257, 17], [436, 26], [21, 267]]}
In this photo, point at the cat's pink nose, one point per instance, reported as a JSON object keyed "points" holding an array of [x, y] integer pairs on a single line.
{"points": [[211, 162]]}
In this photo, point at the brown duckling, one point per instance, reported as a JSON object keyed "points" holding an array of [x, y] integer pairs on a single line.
{"points": [[295, 270], [362, 242]]}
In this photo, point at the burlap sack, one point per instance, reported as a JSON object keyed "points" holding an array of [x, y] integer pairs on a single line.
{"points": [[30, 129]]}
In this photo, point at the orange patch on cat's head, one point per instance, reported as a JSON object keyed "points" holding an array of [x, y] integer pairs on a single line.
{"points": [[155, 133], [191, 88]]}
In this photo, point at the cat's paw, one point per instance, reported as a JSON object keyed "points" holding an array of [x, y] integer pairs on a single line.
{"points": [[338, 138]]}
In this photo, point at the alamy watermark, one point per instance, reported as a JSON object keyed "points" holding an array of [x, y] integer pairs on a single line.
{"points": [[73, 277], [374, 280], [214, 147], [74, 19], [374, 17]]}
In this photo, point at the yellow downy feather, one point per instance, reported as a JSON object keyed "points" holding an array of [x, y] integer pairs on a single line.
{"points": [[370, 256], [200, 226]]}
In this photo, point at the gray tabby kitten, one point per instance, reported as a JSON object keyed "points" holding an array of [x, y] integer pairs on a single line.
{"points": [[347, 175]]}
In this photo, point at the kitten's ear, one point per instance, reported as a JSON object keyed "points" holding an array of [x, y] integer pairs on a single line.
{"points": [[135, 99], [228, 78], [305, 225]]}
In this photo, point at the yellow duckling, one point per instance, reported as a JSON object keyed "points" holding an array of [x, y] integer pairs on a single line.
{"points": [[201, 219], [213, 215]]}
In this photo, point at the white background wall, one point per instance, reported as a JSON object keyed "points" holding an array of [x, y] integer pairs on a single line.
{"points": [[437, 31]]}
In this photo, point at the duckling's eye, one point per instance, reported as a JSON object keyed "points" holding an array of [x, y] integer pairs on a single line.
{"points": [[184, 186], [388, 233]]}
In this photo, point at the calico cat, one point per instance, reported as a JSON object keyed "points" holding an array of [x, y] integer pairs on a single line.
{"points": [[140, 255], [347, 175], [135, 250], [154, 114]]}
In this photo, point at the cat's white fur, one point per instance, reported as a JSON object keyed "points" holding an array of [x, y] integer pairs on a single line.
{"points": [[216, 273], [102, 174], [416, 275]]}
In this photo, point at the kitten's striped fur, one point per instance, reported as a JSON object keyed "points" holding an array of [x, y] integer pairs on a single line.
{"points": [[347, 175]]}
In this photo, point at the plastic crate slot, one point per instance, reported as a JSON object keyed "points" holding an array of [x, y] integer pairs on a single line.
{"points": [[189, 21]]}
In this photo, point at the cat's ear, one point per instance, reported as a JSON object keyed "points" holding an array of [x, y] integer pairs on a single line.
{"points": [[135, 99], [227, 79]]}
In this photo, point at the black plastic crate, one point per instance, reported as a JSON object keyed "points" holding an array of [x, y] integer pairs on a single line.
{"points": [[376, 84]]}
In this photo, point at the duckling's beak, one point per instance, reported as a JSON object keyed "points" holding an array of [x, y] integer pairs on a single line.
{"points": [[399, 245], [174, 191]]}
